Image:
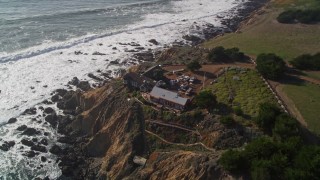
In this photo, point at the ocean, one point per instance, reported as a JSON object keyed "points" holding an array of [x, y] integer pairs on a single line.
{"points": [[38, 41]]}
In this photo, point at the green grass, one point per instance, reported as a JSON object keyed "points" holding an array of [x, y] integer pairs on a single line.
{"points": [[249, 92], [306, 97], [266, 35], [313, 74]]}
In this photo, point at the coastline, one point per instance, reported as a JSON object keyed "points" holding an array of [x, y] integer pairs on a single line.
{"points": [[72, 99], [79, 139]]}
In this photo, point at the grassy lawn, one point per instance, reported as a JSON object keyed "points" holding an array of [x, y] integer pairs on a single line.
{"points": [[313, 74], [248, 92], [307, 99], [264, 34]]}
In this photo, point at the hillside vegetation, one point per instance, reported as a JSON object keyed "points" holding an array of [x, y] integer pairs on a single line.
{"points": [[264, 34]]}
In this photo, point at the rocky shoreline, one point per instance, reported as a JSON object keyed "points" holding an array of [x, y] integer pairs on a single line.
{"points": [[80, 155]]}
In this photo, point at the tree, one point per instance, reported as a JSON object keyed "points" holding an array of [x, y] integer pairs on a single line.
{"points": [[205, 99], [217, 54], [270, 66], [158, 74], [194, 65], [307, 62], [233, 161], [267, 116], [285, 127]]}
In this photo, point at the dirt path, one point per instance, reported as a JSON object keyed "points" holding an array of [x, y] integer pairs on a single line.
{"points": [[177, 126], [180, 144]]}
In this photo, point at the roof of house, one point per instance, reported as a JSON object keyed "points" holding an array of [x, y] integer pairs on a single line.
{"points": [[168, 95]]}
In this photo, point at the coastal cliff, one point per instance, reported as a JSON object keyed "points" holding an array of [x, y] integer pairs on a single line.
{"points": [[110, 131]]}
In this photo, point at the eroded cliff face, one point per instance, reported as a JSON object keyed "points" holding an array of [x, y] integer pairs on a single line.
{"points": [[110, 131], [180, 165]]}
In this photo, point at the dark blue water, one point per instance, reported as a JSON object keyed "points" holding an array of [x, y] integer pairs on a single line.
{"points": [[24, 24]]}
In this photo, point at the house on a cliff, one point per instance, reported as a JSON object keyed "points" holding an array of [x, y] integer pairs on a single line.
{"points": [[139, 82], [168, 98]]}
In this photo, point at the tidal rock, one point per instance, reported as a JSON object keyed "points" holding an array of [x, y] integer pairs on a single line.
{"points": [[98, 53], [55, 149], [27, 142], [51, 119], [55, 98], [94, 77], [44, 141], [153, 41], [30, 132], [193, 39], [49, 110], [84, 85], [114, 62], [12, 120], [75, 81], [22, 128], [43, 159], [7, 145], [39, 148], [30, 154], [66, 140], [61, 92], [30, 111]]}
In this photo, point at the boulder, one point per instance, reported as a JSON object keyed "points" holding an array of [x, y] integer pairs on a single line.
{"points": [[30, 154], [61, 92], [49, 110], [75, 81], [84, 85], [43, 159], [98, 53], [30, 111], [39, 148], [30, 132], [153, 41], [55, 149], [27, 142], [66, 140], [51, 119], [55, 98], [7, 145], [12, 120], [44, 141], [22, 128]]}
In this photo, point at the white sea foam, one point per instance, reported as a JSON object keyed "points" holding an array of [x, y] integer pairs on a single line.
{"points": [[24, 75]]}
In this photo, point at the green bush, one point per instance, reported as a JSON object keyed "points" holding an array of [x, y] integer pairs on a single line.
{"points": [[205, 99], [267, 116], [227, 120], [194, 65], [285, 127], [270, 66], [307, 62], [238, 111], [220, 54], [233, 161], [307, 16]]}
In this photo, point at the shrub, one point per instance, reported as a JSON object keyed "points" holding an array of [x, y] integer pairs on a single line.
{"points": [[267, 116], [306, 16], [238, 111], [205, 99], [285, 127], [270, 66], [220, 53], [227, 120], [194, 65], [307, 62], [233, 161]]}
